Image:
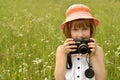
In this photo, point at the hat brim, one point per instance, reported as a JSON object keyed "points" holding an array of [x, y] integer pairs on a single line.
{"points": [[79, 16]]}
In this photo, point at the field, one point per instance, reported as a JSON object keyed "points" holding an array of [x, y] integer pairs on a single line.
{"points": [[30, 33]]}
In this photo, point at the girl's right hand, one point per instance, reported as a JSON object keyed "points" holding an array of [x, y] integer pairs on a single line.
{"points": [[67, 47]]}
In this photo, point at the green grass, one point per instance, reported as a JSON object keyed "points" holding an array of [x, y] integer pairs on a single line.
{"points": [[30, 34]]}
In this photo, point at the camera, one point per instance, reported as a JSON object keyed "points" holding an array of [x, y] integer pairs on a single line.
{"points": [[82, 46]]}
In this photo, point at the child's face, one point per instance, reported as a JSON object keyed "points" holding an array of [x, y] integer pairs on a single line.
{"points": [[79, 33], [81, 28]]}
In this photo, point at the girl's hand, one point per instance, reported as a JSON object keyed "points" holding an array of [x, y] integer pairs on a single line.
{"points": [[92, 46], [67, 47]]}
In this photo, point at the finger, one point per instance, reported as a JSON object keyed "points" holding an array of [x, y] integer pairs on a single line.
{"points": [[69, 43], [92, 47], [92, 39], [73, 46], [92, 50], [68, 39], [91, 43], [68, 49], [72, 50]]}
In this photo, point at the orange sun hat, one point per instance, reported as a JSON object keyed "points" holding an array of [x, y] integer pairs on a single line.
{"points": [[78, 11]]}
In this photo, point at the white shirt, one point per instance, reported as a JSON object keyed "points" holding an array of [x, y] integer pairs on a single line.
{"points": [[77, 72]]}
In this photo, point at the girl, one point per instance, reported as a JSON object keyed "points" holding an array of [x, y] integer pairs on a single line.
{"points": [[79, 24]]}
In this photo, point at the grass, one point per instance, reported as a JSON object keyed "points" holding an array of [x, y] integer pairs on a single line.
{"points": [[30, 34]]}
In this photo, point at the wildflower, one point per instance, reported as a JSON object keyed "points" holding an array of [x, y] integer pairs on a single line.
{"points": [[45, 78], [23, 67], [37, 61], [25, 64], [49, 67], [29, 55], [20, 35], [36, 71], [118, 68], [118, 48]]}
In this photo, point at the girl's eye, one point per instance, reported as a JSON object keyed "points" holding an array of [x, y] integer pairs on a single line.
{"points": [[85, 28], [75, 29]]}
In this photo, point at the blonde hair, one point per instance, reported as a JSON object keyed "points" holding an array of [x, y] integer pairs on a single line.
{"points": [[77, 24]]}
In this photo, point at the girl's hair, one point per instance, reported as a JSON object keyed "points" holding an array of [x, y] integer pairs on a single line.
{"points": [[77, 24]]}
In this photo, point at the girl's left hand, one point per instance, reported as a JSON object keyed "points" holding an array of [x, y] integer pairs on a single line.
{"points": [[92, 46]]}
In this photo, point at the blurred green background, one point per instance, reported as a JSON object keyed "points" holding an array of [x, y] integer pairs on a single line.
{"points": [[30, 33]]}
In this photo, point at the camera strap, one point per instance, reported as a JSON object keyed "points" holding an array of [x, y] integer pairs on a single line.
{"points": [[69, 62], [89, 73]]}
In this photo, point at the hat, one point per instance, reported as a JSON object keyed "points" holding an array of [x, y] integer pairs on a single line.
{"points": [[78, 11]]}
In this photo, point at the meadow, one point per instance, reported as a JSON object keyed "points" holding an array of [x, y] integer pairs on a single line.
{"points": [[30, 33]]}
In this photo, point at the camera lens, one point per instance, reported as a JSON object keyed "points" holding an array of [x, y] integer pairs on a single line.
{"points": [[83, 48]]}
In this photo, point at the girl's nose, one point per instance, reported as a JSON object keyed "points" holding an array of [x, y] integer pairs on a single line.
{"points": [[80, 34]]}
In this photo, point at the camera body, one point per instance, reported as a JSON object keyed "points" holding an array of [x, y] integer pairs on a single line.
{"points": [[82, 46]]}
